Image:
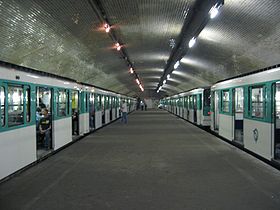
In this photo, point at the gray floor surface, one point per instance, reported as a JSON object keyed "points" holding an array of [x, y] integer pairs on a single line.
{"points": [[157, 161]]}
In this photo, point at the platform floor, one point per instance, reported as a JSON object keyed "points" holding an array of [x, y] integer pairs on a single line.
{"points": [[157, 161]]}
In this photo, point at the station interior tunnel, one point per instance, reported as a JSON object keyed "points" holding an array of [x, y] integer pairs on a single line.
{"points": [[69, 38]]}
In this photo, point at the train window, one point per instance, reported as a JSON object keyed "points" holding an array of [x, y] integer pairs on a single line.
{"points": [[113, 102], [62, 103], [2, 104], [87, 101], [239, 100], [75, 101], [225, 102], [43, 98], [191, 102], [257, 102], [206, 97], [277, 104], [68, 103], [91, 104], [99, 102], [102, 103], [15, 105], [27, 104]]}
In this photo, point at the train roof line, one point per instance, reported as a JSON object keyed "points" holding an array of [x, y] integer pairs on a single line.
{"points": [[203, 87], [250, 73], [43, 73]]}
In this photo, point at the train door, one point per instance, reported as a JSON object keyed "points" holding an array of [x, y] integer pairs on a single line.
{"points": [[44, 116], [75, 112], [238, 110], [195, 108], [91, 112], [216, 110], [277, 121]]}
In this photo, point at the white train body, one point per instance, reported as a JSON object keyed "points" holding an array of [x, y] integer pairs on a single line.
{"points": [[19, 143], [244, 110], [259, 129], [191, 106]]}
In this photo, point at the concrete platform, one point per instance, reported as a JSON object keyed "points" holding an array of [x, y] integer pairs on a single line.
{"points": [[157, 161]]}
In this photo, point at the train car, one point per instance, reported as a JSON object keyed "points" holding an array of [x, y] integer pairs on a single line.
{"points": [[192, 105], [70, 110], [246, 110]]}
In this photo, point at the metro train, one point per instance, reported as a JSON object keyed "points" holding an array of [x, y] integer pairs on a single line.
{"points": [[193, 105], [75, 109], [244, 109]]}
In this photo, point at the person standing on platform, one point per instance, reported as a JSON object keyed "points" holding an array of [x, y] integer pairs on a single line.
{"points": [[142, 105], [124, 112], [45, 128]]}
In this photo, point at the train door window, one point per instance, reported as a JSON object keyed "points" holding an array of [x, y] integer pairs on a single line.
{"points": [[110, 107], [62, 103], [195, 103], [43, 98], [15, 105], [257, 103], [103, 109], [206, 98], [91, 111], [216, 110], [199, 98], [238, 114], [225, 101], [27, 104], [2, 104], [86, 100], [68, 102], [43, 120], [75, 112], [99, 103], [277, 121], [191, 102], [239, 100]]}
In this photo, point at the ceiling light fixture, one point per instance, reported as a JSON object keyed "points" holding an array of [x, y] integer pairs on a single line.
{"points": [[131, 70], [118, 46], [107, 27], [214, 11], [142, 89], [177, 64], [137, 81], [192, 42]]}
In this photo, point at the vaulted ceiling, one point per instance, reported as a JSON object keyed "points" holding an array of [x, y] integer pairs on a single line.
{"points": [[67, 38]]}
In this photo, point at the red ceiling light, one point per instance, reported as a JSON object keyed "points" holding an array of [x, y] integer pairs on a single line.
{"points": [[118, 46], [131, 70], [107, 27]]}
